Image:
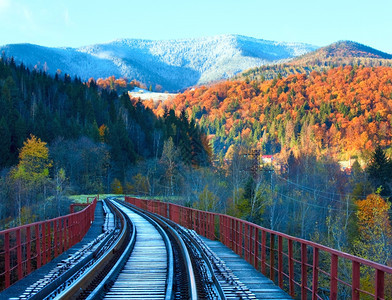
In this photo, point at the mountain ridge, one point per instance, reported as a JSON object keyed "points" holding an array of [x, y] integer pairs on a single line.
{"points": [[340, 53], [344, 48], [173, 64]]}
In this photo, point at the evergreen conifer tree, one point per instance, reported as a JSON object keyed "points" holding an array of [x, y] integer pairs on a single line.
{"points": [[380, 171]]}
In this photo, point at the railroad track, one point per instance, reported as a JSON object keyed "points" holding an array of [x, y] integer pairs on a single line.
{"points": [[143, 256], [148, 272]]}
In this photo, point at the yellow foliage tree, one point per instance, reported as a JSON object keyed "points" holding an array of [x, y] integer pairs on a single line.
{"points": [[34, 162], [373, 220], [117, 187], [375, 235], [31, 174]]}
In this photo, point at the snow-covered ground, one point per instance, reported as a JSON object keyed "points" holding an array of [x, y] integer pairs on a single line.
{"points": [[147, 95], [173, 64]]}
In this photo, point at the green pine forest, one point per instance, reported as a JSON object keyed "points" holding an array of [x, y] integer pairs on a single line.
{"points": [[94, 136]]}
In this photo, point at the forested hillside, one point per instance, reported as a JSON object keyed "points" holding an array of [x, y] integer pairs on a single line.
{"points": [[61, 136], [93, 137], [341, 53], [341, 112]]}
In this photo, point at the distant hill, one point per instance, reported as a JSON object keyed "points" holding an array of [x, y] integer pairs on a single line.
{"points": [[173, 64], [339, 50], [341, 53]]}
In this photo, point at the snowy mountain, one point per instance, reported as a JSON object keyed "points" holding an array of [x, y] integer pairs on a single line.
{"points": [[174, 64]]}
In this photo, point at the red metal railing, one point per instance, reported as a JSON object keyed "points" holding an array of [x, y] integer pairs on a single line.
{"points": [[304, 269], [26, 248], [200, 221]]}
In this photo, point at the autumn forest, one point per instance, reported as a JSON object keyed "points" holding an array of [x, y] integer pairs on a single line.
{"points": [[305, 153], [341, 112]]}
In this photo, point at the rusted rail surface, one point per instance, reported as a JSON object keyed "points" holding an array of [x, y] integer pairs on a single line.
{"points": [[302, 268], [26, 248]]}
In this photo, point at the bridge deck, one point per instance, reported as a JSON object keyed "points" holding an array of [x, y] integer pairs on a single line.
{"points": [[260, 285], [20, 286]]}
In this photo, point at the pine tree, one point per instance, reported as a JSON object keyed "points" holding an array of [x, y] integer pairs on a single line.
{"points": [[380, 171], [5, 143]]}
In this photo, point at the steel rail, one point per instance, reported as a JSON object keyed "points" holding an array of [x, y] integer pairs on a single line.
{"points": [[117, 267], [205, 258], [98, 278], [47, 290], [177, 228], [76, 287], [170, 263], [192, 288]]}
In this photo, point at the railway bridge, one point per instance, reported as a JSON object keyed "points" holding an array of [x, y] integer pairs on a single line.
{"points": [[133, 248]]}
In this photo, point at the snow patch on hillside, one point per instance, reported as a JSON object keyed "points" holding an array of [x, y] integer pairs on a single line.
{"points": [[143, 94]]}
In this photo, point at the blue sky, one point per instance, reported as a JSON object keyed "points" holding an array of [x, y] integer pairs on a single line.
{"points": [[75, 23]]}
